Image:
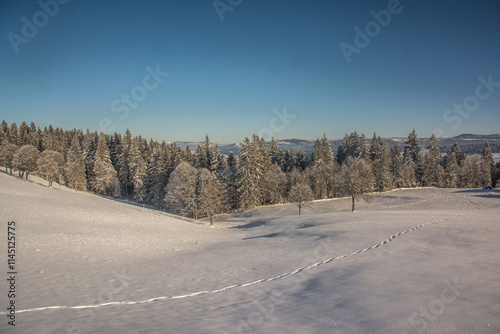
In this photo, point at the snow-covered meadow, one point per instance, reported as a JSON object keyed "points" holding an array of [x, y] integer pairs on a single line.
{"points": [[411, 261]]}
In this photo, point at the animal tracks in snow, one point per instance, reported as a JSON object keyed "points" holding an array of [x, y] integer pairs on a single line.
{"points": [[243, 285]]}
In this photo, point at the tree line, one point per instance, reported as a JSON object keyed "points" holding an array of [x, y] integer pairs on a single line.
{"points": [[205, 183]]}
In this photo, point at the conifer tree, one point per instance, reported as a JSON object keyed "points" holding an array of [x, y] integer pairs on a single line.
{"points": [[488, 165], [299, 160], [249, 173], [137, 167], [188, 155], [433, 173], [157, 177], [277, 155], [412, 148], [89, 147], [14, 134], [125, 173], [23, 134], [4, 128], [458, 153], [323, 170], [75, 166], [411, 153], [32, 135], [289, 162], [396, 164], [450, 170], [381, 164], [106, 181]]}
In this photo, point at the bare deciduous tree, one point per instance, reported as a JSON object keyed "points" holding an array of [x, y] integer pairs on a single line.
{"points": [[300, 194]]}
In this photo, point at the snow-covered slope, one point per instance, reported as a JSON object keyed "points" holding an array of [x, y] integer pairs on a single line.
{"points": [[413, 261]]}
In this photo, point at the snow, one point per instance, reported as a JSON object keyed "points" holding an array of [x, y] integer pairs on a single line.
{"points": [[411, 261]]}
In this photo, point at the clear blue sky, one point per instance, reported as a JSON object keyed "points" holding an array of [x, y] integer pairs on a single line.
{"points": [[227, 76]]}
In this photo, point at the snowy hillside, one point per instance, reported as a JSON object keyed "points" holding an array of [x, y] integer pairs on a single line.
{"points": [[411, 261]]}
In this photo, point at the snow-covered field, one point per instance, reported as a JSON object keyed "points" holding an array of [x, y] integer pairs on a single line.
{"points": [[411, 261]]}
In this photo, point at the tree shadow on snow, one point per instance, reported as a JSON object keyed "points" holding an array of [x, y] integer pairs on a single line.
{"points": [[270, 235], [256, 223], [484, 193]]}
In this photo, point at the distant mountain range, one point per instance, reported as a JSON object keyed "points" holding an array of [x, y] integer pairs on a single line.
{"points": [[469, 144]]}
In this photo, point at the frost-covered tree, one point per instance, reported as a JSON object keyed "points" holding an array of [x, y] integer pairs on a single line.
{"points": [[50, 166], [89, 147], [273, 187], [300, 160], [488, 164], [496, 175], [180, 197], [412, 152], [4, 128], [458, 153], [229, 183], [106, 181], [412, 148], [209, 194], [137, 167], [381, 164], [32, 135], [432, 171], [250, 171], [322, 173], [7, 151], [23, 134], [277, 156], [355, 179], [14, 134], [188, 155], [75, 166], [157, 176], [470, 172], [352, 145], [408, 178], [289, 161], [450, 170], [396, 164], [125, 175], [300, 194], [25, 160]]}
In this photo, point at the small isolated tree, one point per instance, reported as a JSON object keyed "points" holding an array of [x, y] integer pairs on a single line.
{"points": [[300, 194], [25, 160], [7, 151], [355, 179], [50, 165]]}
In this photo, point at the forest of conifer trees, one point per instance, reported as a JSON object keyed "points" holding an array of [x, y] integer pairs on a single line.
{"points": [[205, 183]]}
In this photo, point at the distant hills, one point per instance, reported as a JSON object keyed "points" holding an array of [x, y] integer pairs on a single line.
{"points": [[469, 143]]}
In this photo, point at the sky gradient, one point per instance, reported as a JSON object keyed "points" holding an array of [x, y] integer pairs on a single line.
{"points": [[236, 68]]}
